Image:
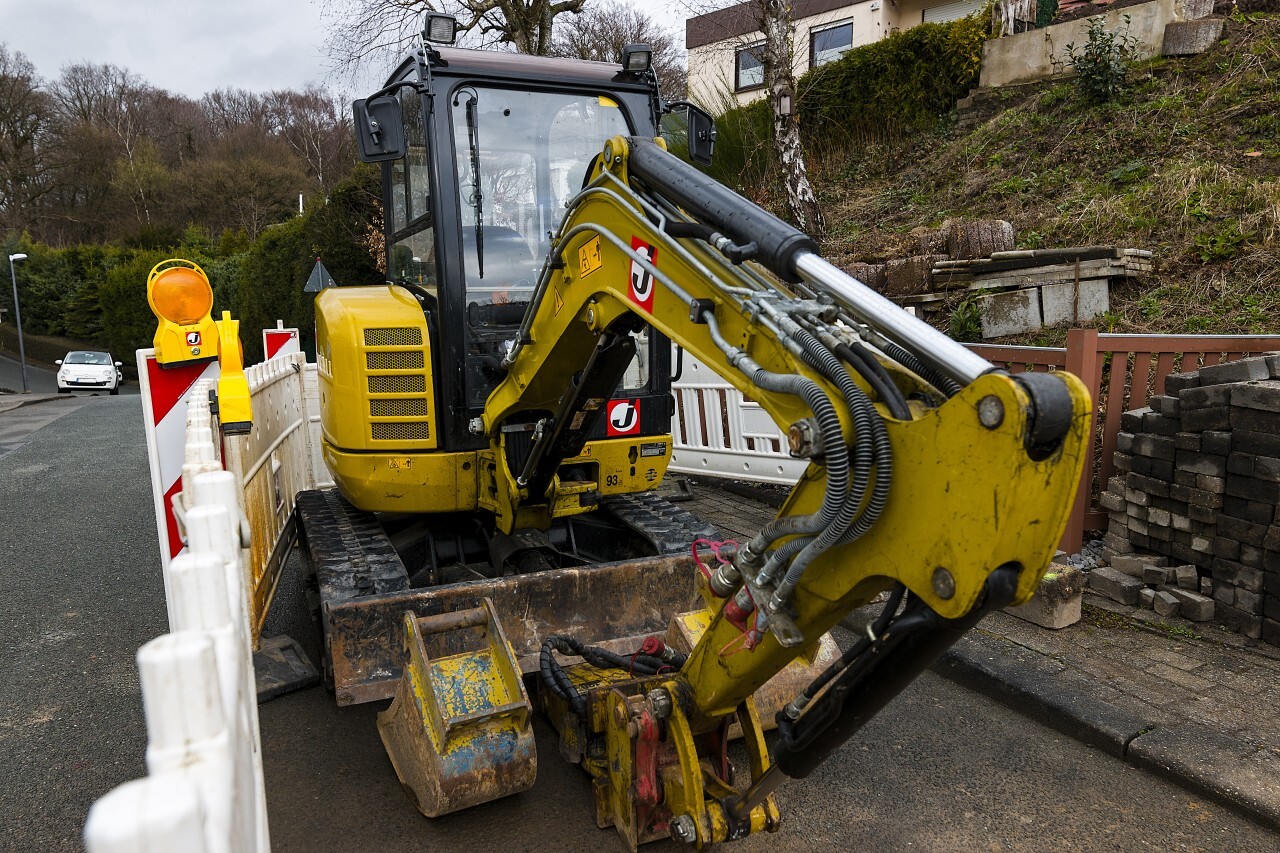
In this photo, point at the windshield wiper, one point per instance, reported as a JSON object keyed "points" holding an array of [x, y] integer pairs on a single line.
{"points": [[477, 196]]}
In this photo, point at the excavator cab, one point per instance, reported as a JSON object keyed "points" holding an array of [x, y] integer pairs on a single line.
{"points": [[481, 155]]}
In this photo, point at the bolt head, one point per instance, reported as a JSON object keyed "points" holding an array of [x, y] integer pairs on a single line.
{"points": [[990, 411], [660, 699], [944, 584], [683, 829]]}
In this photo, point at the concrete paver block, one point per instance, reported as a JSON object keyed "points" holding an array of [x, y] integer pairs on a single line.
{"points": [[1056, 603], [1263, 394], [1188, 38], [1010, 313], [1165, 604], [1192, 605], [1243, 370], [1115, 585], [1069, 303], [1186, 577]]}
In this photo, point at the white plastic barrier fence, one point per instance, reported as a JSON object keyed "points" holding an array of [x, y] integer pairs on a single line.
{"points": [[719, 433], [204, 792], [277, 459]]}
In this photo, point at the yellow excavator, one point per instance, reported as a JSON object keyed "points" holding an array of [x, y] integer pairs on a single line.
{"points": [[497, 420]]}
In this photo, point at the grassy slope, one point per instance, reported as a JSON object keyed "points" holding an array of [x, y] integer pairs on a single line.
{"points": [[1186, 163]]}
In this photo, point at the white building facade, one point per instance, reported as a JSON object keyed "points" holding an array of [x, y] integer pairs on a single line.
{"points": [[726, 46]]}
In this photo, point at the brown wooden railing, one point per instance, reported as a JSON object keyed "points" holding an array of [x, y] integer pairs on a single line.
{"points": [[1121, 372]]}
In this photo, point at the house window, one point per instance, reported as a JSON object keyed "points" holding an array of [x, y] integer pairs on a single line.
{"points": [[829, 43], [749, 70]]}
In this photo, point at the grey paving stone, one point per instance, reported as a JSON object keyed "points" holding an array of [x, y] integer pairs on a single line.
{"points": [[1243, 370], [1193, 606], [1115, 585], [1165, 604]]}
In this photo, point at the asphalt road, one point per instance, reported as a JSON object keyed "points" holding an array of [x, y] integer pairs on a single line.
{"points": [[942, 769]]}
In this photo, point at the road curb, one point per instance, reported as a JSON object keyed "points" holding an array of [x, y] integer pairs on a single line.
{"points": [[1038, 686], [9, 402]]}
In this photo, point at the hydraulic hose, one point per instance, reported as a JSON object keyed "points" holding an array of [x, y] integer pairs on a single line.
{"points": [[837, 459], [560, 684], [877, 377], [865, 419], [828, 425], [854, 651], [945, 384]]}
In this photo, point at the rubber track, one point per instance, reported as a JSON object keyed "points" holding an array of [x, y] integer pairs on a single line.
{"points": [[670, 529], [351, 553]]}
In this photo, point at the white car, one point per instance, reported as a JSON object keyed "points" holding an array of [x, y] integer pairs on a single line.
{"points": [[88, 370]]}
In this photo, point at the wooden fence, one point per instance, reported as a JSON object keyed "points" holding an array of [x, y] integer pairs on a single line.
{"points": [[1121, 371]]}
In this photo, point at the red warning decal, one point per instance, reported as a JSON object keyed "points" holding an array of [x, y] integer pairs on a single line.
{"points": [[642, 283], [623, 417]]}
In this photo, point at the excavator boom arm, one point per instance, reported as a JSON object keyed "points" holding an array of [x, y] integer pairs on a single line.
{"points": [[931, 474]]}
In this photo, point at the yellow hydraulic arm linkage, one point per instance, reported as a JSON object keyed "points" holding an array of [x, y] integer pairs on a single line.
{"points": [[933, 476]]}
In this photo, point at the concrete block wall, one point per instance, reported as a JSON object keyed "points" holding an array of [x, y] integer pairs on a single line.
{"points": [[1198, 482]]}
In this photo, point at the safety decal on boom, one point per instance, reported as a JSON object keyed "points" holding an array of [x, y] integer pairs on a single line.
{"points": [[642, 283], [623, 417]]}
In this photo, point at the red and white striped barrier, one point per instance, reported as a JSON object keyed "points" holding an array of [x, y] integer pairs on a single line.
{"points": [[280, 341], [165, 395]]}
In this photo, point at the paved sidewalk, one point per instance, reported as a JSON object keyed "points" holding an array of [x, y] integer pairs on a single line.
{"points": [[1190, 702]]}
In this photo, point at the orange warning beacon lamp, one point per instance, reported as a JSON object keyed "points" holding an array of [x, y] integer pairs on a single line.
{"points": [[179, 294], [182, 300]]}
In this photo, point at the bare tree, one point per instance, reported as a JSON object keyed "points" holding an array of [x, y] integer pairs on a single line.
{"points": [[602, 29], [117, 100], [315, 126], [772, 21], [24, 122], [780, 77], [361, 30]]}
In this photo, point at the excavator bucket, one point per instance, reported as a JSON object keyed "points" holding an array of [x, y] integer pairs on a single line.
{"points": [[459, 730]]}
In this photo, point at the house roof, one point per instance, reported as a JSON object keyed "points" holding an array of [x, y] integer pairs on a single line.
{"points": [[743, 18]]}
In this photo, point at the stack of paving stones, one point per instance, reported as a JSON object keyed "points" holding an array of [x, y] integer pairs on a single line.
{"points": [[1198, 485]]}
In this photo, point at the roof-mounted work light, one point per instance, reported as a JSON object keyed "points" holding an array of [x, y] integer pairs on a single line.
{"points": [[180, 296], [637, 58], [440, 29]]}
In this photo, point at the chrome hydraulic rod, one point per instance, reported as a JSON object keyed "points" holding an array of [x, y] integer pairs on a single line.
{"points": [[912, 334]]}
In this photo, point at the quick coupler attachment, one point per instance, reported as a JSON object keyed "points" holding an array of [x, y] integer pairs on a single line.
{"points": [[459, 731]]}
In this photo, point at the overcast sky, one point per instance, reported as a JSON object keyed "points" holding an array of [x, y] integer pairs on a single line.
{"points": [[195, 46]]}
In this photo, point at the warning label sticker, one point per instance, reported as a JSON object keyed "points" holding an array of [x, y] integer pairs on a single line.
{"points": [[642, 282], [589, 259], [623, 417]]}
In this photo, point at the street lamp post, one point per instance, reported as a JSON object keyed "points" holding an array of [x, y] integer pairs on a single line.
{"points": [[17, 316]]}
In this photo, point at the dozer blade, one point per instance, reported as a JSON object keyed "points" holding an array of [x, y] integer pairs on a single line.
{"points": [[615, 605], [459, 731]]}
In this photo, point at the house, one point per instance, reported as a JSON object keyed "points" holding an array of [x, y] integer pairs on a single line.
{"points": [[726, 47]]}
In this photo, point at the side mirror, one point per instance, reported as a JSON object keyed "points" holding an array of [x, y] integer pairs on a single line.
{"points": [[119, 364], [379, 129], [702, 135], [59, 361], [701, 130]]}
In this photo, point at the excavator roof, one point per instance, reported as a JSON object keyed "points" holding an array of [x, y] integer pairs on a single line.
{"points": [[517, 66]]}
